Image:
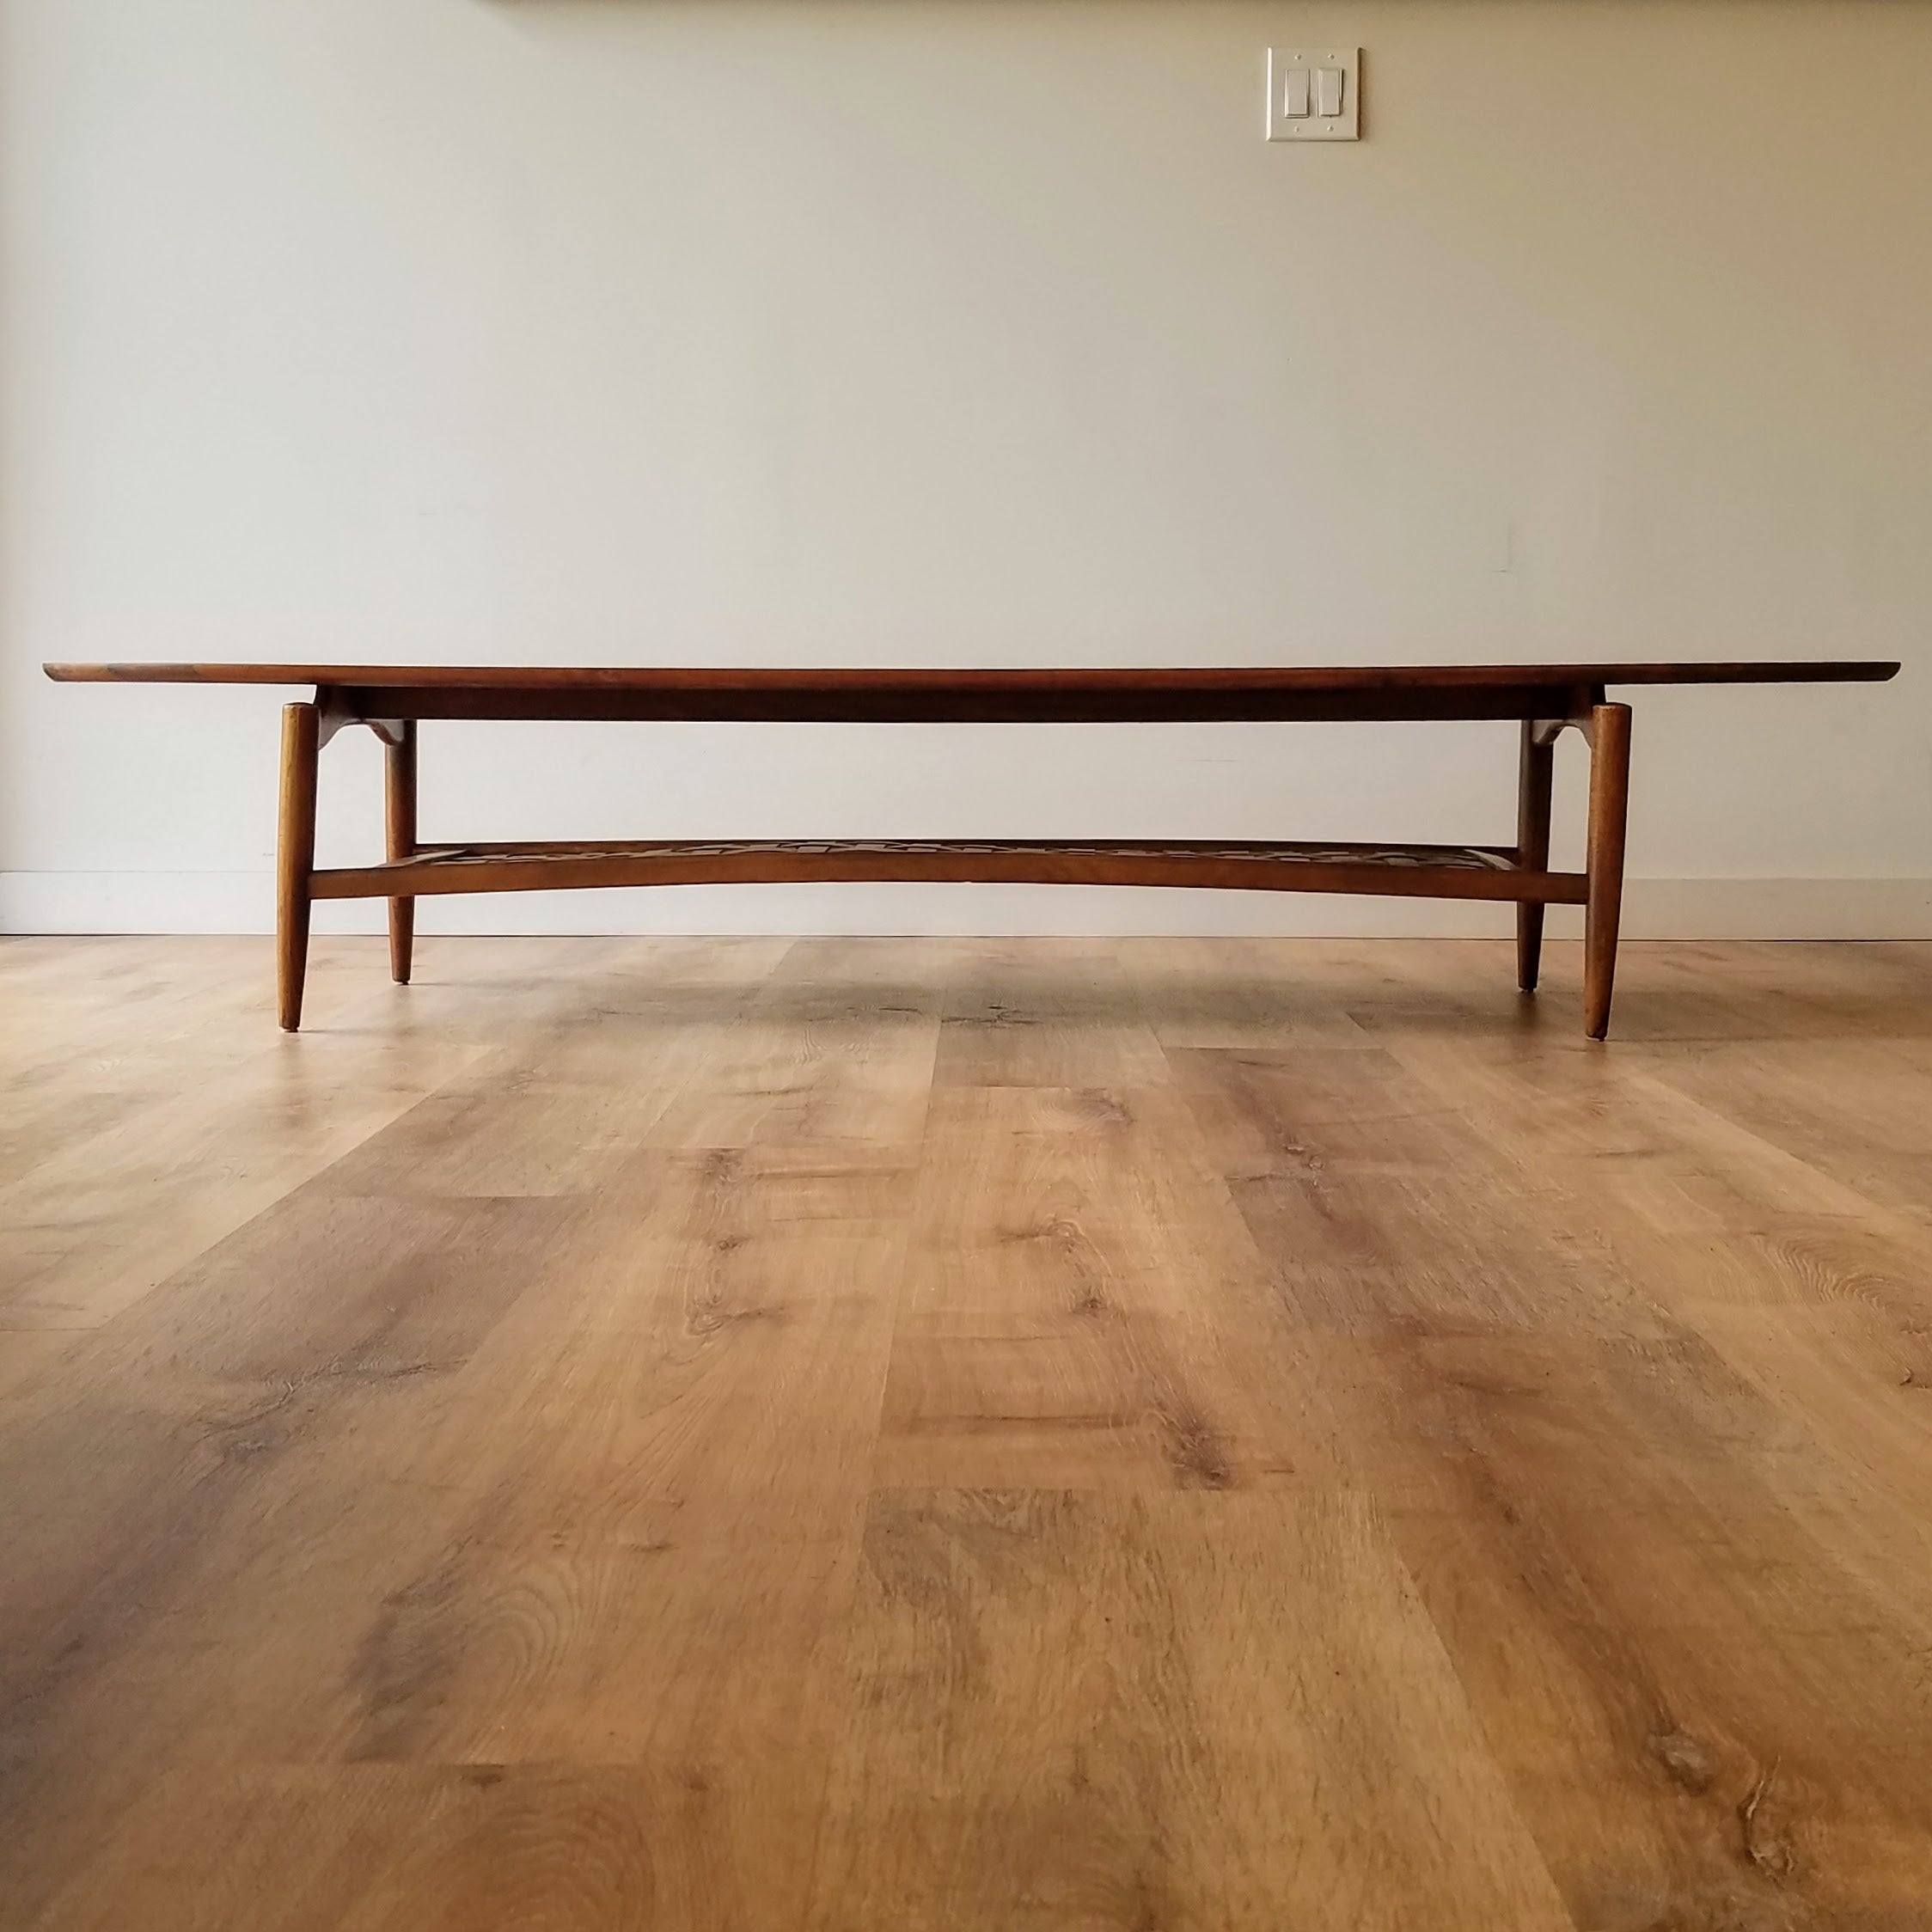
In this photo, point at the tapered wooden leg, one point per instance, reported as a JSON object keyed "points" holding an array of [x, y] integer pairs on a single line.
{"points": [[1610, 797], [1536, 765], [401, 799], [295, 860]]}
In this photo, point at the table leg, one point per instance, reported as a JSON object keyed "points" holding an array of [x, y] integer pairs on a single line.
{"points": [[295, 860], [400, 758], [1609, 796], [1536, 766]]}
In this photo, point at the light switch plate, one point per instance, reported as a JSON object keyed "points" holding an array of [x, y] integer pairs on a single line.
{"points": [[1314, 126]]}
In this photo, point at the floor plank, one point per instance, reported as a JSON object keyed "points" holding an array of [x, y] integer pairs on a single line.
{"points": [[1084, 1306], [1160, 1711]]}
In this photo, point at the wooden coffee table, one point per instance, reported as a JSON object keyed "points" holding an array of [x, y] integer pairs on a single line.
{"points": [[1545, 699]]}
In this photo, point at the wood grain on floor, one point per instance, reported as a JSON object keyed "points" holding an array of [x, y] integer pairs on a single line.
{"points": [[956, 1435]]}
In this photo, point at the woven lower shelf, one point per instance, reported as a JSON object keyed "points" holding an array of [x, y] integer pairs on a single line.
{"points": [[1432, 870]]}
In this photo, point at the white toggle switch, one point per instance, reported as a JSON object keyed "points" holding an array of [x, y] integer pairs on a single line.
{"points": [[1314, 94]]}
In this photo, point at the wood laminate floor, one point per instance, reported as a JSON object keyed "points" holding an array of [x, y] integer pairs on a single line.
{"points": [[879, 1436]]}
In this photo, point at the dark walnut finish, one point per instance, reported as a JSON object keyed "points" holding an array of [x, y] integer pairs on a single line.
{"points": [[1546, 699]]}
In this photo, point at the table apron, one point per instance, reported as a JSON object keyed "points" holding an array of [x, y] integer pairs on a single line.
{"points": [[859, 707]]}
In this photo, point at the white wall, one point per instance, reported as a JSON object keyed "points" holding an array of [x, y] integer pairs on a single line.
{"points": [[963, 331]]}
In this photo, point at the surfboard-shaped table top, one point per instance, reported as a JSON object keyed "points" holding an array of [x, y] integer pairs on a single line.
{"points": [[996, 694]]}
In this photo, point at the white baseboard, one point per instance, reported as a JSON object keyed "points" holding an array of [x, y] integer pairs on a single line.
{"points": [[1735, 909]]}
